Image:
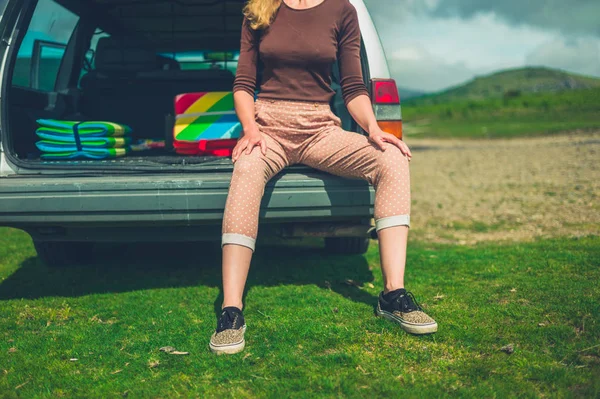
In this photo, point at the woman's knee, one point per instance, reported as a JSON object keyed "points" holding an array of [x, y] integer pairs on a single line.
{"points": [[392, 159], [249, 164]]}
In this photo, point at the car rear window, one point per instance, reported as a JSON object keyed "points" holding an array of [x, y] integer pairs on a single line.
{"points": [[199, 60], [43, 47]]}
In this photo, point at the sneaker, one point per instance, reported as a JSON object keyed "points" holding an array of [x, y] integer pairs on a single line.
{"points": [[400, 306], [228, 338]]}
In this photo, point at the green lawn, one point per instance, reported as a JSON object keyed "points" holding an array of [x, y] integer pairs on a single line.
{"points": [[524, 115], [311, 328]]}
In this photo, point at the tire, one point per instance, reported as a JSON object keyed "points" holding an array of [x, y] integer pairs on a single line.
{"points": [[64, 254], [347, 245]]}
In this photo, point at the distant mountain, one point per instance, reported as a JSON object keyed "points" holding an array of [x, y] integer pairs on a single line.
{"points": [[406, 93], [511, 82]]}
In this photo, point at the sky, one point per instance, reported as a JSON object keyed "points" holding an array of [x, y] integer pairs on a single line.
{"points": [[435, 44]]}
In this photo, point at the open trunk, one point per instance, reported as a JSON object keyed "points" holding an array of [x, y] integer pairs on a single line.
{"points": [[122, 61]]}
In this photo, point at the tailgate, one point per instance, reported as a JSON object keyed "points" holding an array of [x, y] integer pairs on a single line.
{"points": [[178, 199]]}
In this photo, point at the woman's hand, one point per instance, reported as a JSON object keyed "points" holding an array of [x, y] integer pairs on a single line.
{"points": [[379, 137], [247, 142], [361, 109]]}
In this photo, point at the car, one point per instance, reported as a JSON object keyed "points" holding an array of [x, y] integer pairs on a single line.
{"points": [[120, 60]]}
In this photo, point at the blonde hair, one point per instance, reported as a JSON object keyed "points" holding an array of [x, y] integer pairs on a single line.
{"points": [[260, 12]]}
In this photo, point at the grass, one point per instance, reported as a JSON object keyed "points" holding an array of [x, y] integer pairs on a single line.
{"points": [[522, 115], [311, 329]]}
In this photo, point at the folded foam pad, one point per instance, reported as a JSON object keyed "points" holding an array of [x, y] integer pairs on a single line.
{"points": [[57, 146], [89, 141], [74, 139], [85, 129], [205, 116]]}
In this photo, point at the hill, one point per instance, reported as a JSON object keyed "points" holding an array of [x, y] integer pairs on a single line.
{"points": [[406, 93], [512, 103], [510, 83]]}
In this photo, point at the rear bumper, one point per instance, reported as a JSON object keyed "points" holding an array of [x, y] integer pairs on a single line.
{"points": [[174, 201]]}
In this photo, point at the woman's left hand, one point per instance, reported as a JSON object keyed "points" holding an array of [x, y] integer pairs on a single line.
{"points": [[379, 137]]}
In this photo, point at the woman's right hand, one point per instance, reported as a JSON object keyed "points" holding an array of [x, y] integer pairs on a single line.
{"points": [[247, 142]]}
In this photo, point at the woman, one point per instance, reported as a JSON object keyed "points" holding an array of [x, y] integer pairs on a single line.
{"points": [[291, 122]]}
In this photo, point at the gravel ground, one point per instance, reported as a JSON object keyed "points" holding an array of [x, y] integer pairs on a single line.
{"points": [[465, 191]]}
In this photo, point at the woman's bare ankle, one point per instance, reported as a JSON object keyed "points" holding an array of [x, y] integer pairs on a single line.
{"points": [[392, 287], [238, 305]]}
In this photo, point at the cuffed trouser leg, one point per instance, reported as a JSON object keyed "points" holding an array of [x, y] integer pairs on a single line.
{"points": [[250, 174], [239, 239], [391, 221], [349, 154]]}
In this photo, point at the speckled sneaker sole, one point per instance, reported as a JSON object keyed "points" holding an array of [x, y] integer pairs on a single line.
{"points": [[412, 328], [228, 348]]}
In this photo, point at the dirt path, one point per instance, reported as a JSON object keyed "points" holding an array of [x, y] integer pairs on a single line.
{"points": [[466, 191]]}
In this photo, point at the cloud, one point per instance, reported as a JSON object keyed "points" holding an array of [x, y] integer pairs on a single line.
{"points": [[397, 10], [432, 54], [581, 55], [571, 17], [416, 68]]}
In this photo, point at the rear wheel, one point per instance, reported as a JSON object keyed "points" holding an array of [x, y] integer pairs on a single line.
{"points": [[347, 245], [62, 254]]}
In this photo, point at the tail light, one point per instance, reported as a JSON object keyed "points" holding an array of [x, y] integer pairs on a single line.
{"points": [[385, 91], [386, 105]]}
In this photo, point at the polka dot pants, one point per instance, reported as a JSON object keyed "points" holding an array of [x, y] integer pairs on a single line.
{"points": [[310, 133]]}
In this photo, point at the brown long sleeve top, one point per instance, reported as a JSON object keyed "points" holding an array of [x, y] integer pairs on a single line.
{"points": [[297, 51]]}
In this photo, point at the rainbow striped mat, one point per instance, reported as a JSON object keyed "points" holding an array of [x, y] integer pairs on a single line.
{"points": [[205, 116]]}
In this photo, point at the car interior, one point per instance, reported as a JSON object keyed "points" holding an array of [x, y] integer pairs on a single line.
{"points": [[122, 61]]}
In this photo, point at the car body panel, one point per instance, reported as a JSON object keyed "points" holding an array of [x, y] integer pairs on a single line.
{"points": [[173, 199], [376, 59], [8, 16]]}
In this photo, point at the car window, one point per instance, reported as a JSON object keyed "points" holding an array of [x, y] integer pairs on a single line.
{"points": [[2, 6], [43, 47], [198, 60]]}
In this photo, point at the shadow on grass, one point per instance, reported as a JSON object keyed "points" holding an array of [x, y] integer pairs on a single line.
{"points": [[130, 267]]}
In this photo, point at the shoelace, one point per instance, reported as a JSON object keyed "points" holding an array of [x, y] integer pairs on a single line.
{"points": [[226, 321], [408, 302]]}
